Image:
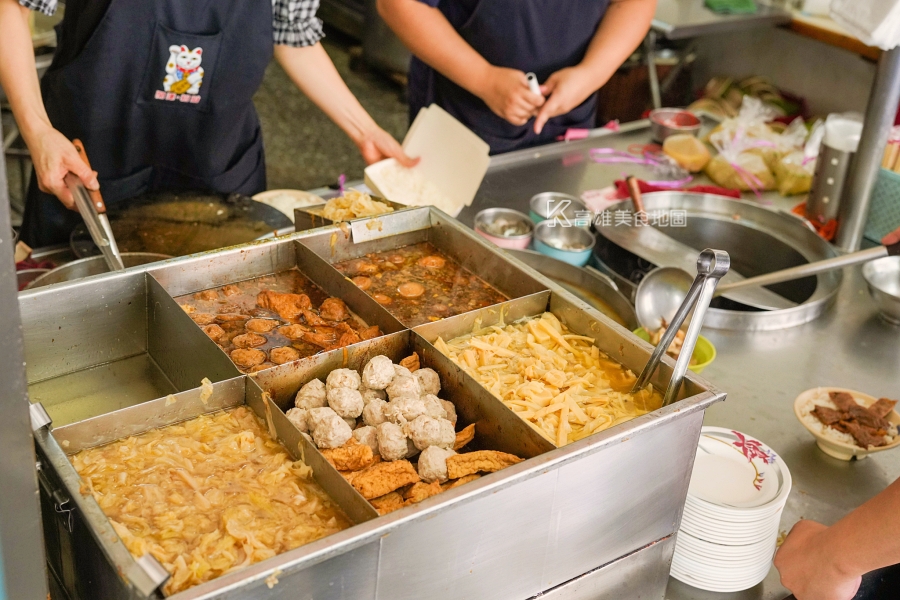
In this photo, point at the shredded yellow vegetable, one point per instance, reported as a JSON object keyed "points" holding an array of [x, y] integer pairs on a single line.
{"points": [[559, 382], [353, 205], [207, 496]]}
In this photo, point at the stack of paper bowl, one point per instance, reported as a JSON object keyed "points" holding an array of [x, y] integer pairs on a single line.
{"points": [[730, 525]]}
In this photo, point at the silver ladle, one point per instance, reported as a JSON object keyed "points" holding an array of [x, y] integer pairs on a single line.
{"points": [[712, 265], [660, 291]]}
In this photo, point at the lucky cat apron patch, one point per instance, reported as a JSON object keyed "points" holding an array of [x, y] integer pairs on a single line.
{"points": [[184, 75]]}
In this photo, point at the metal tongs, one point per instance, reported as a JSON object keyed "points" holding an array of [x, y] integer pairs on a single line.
{"points": [[712, 265], [93, 211]]}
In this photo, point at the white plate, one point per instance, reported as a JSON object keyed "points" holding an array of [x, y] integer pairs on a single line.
{"points": [[735, 470], [724, 552], [728, 539], [717, 528], [737, 519], [716, 586], [722, 574], [731, 568], [286, 201], [727, 526], [723, 577]]}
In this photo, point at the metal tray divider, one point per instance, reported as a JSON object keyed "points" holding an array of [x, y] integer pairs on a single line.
{"points": [[496, 426], [56, 340], [305, 218], [215, 269], [618, 344], [338, 488], [178, 345], [622, 345], [469, 249], [323, 274], [131, 575], [283, 381]]}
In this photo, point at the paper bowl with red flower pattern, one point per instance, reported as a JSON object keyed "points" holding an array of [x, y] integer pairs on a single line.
{"points": [[830, 441], [735, 474]]}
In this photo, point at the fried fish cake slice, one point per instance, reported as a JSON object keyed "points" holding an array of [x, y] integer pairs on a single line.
{"points": [[248, 340], [231, 290], [248, 358], [261, 325], [464, 437], [421, 490], [388, 503], [288, 306], [449, 485], [482, 461], [203, 318], [282, 355], [352, 456], [385, 477]]}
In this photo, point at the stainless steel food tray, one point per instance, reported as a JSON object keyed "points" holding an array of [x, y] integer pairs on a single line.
{"points": [[594, 519]]}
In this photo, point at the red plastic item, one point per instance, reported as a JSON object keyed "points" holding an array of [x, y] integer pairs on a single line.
{"points": [[646, 188]]}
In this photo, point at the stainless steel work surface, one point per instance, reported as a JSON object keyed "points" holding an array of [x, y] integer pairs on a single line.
{"points": [[678, 19], [513, 178], [849, 346]]}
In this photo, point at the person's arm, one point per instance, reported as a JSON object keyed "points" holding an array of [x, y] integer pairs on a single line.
{"points": [[311, 70], [428, 35], [53, 155], [621, 31], [826, 563]]}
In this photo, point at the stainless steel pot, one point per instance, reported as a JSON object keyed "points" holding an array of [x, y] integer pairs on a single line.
{"points": [[587, 283], [95, 265], [759, 241]]}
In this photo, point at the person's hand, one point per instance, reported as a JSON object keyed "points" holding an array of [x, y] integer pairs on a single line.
{"points": [[807, 565], [565, 89], [54, 157], [891, 238], [507, 94], [377, 144]]}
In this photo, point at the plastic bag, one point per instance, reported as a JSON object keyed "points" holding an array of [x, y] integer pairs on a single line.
{"points": [[740, 165], [794, 169]]}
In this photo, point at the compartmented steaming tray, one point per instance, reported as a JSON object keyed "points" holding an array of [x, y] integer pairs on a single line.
{"points": [[103, 353]]}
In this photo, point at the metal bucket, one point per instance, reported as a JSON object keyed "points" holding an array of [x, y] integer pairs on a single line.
{"points": [[95, 265], [588, 284], [759, 241]]}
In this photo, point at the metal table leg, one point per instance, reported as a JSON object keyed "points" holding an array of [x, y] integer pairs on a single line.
{"points": [[854, 207], [650, 50]]}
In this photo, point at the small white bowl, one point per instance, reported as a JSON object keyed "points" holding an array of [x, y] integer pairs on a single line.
{"points": [[838, 449]]}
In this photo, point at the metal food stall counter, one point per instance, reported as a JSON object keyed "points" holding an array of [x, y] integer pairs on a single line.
{"points": [[598, 513], [764, 371]]}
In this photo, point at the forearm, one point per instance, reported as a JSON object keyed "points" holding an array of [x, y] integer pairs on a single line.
{"points": [[311, 70], [428, 35], [621, 31], [18, 74], [869, 537]]}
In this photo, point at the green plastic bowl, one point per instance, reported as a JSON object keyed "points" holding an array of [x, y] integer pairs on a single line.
{"points": [[704, 351]]}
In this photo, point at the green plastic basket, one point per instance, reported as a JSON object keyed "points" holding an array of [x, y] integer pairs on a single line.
{"points": [[884, 211]]}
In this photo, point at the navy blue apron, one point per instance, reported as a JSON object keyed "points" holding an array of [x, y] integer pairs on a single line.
{"points": [[162, 97], [539, 36]]}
